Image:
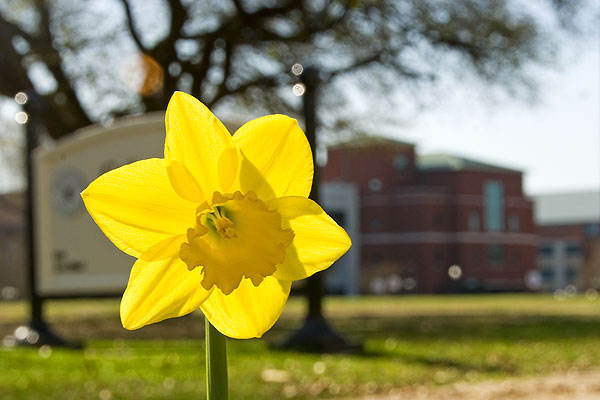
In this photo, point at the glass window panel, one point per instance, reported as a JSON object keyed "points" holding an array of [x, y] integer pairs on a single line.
{"points": [[493, 206]]}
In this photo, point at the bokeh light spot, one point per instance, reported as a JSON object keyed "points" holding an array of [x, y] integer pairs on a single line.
{"points": [[105, 394], [455, 272], [319, 367], [21, 98], [591, 294], [45, 351], [21, 117], [409, 283], [21, 332], [299, 89], [142, 74], [297, 69]]}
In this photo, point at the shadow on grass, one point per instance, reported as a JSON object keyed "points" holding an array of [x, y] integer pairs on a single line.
{"points": [[463, 366], [489, 327], [468, 327]]}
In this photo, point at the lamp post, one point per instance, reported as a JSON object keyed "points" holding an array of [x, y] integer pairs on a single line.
{"points": [[36, 332], [315, 334], [33, 109]]}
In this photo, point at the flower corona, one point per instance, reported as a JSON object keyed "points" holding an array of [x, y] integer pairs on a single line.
{"points": [[228, 251]]}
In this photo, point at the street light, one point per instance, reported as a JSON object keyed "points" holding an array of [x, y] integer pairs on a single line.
{"points": [[36, 332], [315, 334]]}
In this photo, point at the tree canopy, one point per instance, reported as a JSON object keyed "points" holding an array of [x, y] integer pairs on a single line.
{"points": [[93, 60]]}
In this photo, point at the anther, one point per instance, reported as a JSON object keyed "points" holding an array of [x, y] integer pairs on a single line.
{"points": [[224, 227]]}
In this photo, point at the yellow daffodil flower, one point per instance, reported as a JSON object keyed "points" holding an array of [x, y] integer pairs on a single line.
{"points": [[222, 223]]}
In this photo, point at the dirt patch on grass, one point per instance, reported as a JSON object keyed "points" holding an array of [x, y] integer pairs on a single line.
{"points": [[581, 385]]}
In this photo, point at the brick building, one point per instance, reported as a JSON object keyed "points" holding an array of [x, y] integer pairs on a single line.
{"points": [[569, 248], [437, 223]]}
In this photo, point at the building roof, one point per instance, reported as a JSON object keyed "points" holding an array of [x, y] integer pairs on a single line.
{"points": [[567, 208], [449, 162], [362, 140]]}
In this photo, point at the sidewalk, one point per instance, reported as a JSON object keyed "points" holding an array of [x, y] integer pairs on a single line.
{"points": [[567, 386]]}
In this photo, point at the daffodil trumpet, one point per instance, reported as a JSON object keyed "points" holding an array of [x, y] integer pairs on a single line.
{"points": [[222, 223]]}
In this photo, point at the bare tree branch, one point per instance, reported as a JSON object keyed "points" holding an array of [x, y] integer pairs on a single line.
{"points": [[262, 82], [13, 77], [250, 47], [68, 114], [132, 31], [239, 7], [222, 89]]}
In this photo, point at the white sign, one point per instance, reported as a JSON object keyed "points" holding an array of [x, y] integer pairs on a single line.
{"points": [[73, 256]]}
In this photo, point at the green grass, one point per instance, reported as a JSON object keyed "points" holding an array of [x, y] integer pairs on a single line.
{"points": [[408, 340]]}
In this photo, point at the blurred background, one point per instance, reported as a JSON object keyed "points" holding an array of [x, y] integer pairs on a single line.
{"points": [[458, 144]]}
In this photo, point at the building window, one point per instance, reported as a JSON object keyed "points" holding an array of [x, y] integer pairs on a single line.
{"points": [[474, 222], [573, 250], [547, 274], [592, 230], [571, 274], [514, 224], [495, 254], [493, 206], [400, 162], [375, 184], [546, 250]]}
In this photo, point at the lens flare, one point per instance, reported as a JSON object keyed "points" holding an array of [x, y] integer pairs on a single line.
{"points": [[142, 74]]}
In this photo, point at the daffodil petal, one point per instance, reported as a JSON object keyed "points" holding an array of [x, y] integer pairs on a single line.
{"points": [[249, 311], [136, 206], [164, 249], [159, 290], [318, 240], [184, 182], [198, 140], [280, 158]]}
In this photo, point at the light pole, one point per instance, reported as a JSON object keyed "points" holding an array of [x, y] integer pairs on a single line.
{"points": [[36, 332], [315, 335]]}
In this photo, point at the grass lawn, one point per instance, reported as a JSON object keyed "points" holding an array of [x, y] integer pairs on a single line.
{"points": [[408, 340]]}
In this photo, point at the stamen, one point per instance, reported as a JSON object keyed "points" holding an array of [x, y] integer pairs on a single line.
{"points": [[235, 237], [224, 227]]}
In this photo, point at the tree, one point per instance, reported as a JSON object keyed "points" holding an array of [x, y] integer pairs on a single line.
{"points": [[94, 60]]}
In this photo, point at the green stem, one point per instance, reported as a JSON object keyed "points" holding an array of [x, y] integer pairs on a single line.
{"points": [[216, 364]]}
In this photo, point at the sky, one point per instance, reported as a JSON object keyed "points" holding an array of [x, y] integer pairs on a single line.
{"points": [[555, 141]]}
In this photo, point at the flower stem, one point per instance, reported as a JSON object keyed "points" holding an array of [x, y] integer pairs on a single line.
{"points": [[216, 364]]}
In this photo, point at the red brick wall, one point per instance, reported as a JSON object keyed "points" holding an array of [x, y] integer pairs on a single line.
{"points": [[471, 182], [362, 165]]}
